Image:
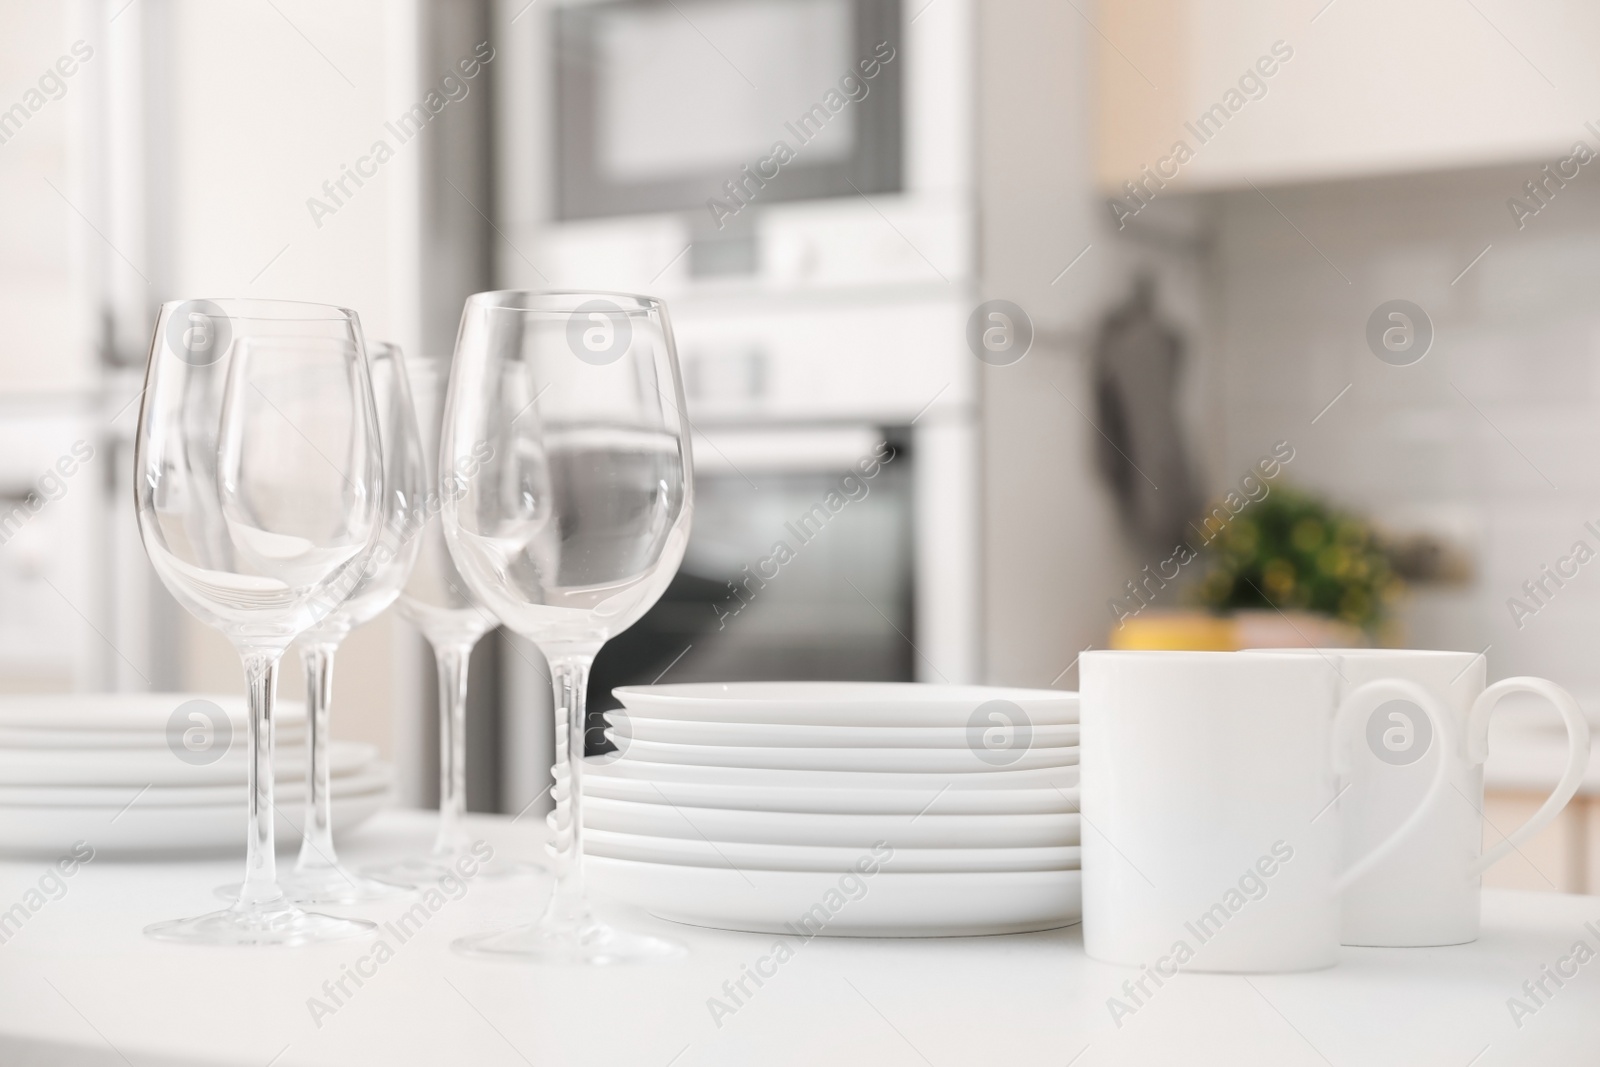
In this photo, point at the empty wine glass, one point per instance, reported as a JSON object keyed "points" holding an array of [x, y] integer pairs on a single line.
{"points": [[570, 519], [259, 491], [318, 876], [437, 602]]}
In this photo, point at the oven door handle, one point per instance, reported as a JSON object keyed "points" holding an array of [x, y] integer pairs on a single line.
{"points": [[786, 449]]}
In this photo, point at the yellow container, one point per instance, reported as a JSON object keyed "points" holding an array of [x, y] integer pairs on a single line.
{"points": [[1198, 631], [1173, 631]]}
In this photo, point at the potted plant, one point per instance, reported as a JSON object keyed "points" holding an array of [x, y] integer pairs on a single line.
{"points": [[1285, 569], [1294, 570]]}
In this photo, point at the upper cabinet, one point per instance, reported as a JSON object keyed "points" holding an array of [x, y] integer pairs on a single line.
{"points": [[1204, 94]]}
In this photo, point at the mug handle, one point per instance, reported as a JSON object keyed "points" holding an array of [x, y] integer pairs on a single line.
{"points": [[1571, 778], [1348, 722]]}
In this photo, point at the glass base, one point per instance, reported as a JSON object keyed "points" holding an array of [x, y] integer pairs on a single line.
{"points": [[412, 873], [496, 869], [327, 885], [274, 922], [591, 941], [427, 870]]}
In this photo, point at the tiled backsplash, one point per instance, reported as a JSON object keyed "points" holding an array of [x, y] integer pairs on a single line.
{"points": [[1492, 439]]}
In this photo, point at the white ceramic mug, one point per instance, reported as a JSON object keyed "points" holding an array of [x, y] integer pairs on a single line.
{"points": [[1427, 892], [1211, 831]]}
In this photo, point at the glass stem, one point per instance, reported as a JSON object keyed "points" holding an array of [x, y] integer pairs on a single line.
{"points": [[260, 872], [570, 677], [316, 849], [452, 661]]}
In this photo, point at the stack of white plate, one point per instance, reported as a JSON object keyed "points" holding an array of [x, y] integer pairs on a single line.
{"points": [[141, 775], [864, 809]]}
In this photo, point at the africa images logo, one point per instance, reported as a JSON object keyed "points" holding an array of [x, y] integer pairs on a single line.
{"points": [[999, 332], [599, 332], [1399, 332], [198, 331], [999, 732], [199, 732], [1399, 732]]}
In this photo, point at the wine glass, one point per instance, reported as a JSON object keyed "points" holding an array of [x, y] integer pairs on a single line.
{"points": [[437, 602], [259, 491], [568, 527], [318, 877]]}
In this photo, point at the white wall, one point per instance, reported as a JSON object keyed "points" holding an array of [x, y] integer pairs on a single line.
{"points": [[1491, 437], [1054, 551]]}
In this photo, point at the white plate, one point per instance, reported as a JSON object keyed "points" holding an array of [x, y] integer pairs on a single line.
{"points": [[896, 760], [758, 778], [841, 831], [127, 712], [740, 855], [155, 832], [287, 795], [139, 767], [840, 800], [841, 703], [288, 732], [783, 735], [888, 904]]}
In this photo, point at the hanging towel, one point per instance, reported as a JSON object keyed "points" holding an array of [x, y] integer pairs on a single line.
{"points": [[1141, 450]]}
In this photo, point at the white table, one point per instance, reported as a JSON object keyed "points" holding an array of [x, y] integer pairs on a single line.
{"points": [[79, 984]]}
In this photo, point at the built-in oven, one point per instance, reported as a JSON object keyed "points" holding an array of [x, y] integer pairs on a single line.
{"points": [[801, 564]]}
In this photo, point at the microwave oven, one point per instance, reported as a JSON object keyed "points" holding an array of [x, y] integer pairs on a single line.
{"points": [[769, 149], [712, 107]]}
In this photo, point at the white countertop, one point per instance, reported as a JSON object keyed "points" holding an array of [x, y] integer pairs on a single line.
{"points": [[80, 984]]}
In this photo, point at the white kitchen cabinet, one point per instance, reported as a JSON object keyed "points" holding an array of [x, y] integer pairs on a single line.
{"points": [[1357, 87], [1564, 857]]}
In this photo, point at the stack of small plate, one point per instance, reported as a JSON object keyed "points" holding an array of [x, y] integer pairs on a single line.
{"points": [[865, 809], [152, 774]]}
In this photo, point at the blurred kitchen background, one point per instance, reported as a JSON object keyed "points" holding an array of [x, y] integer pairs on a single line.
{"points": [[1173, 316]]}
